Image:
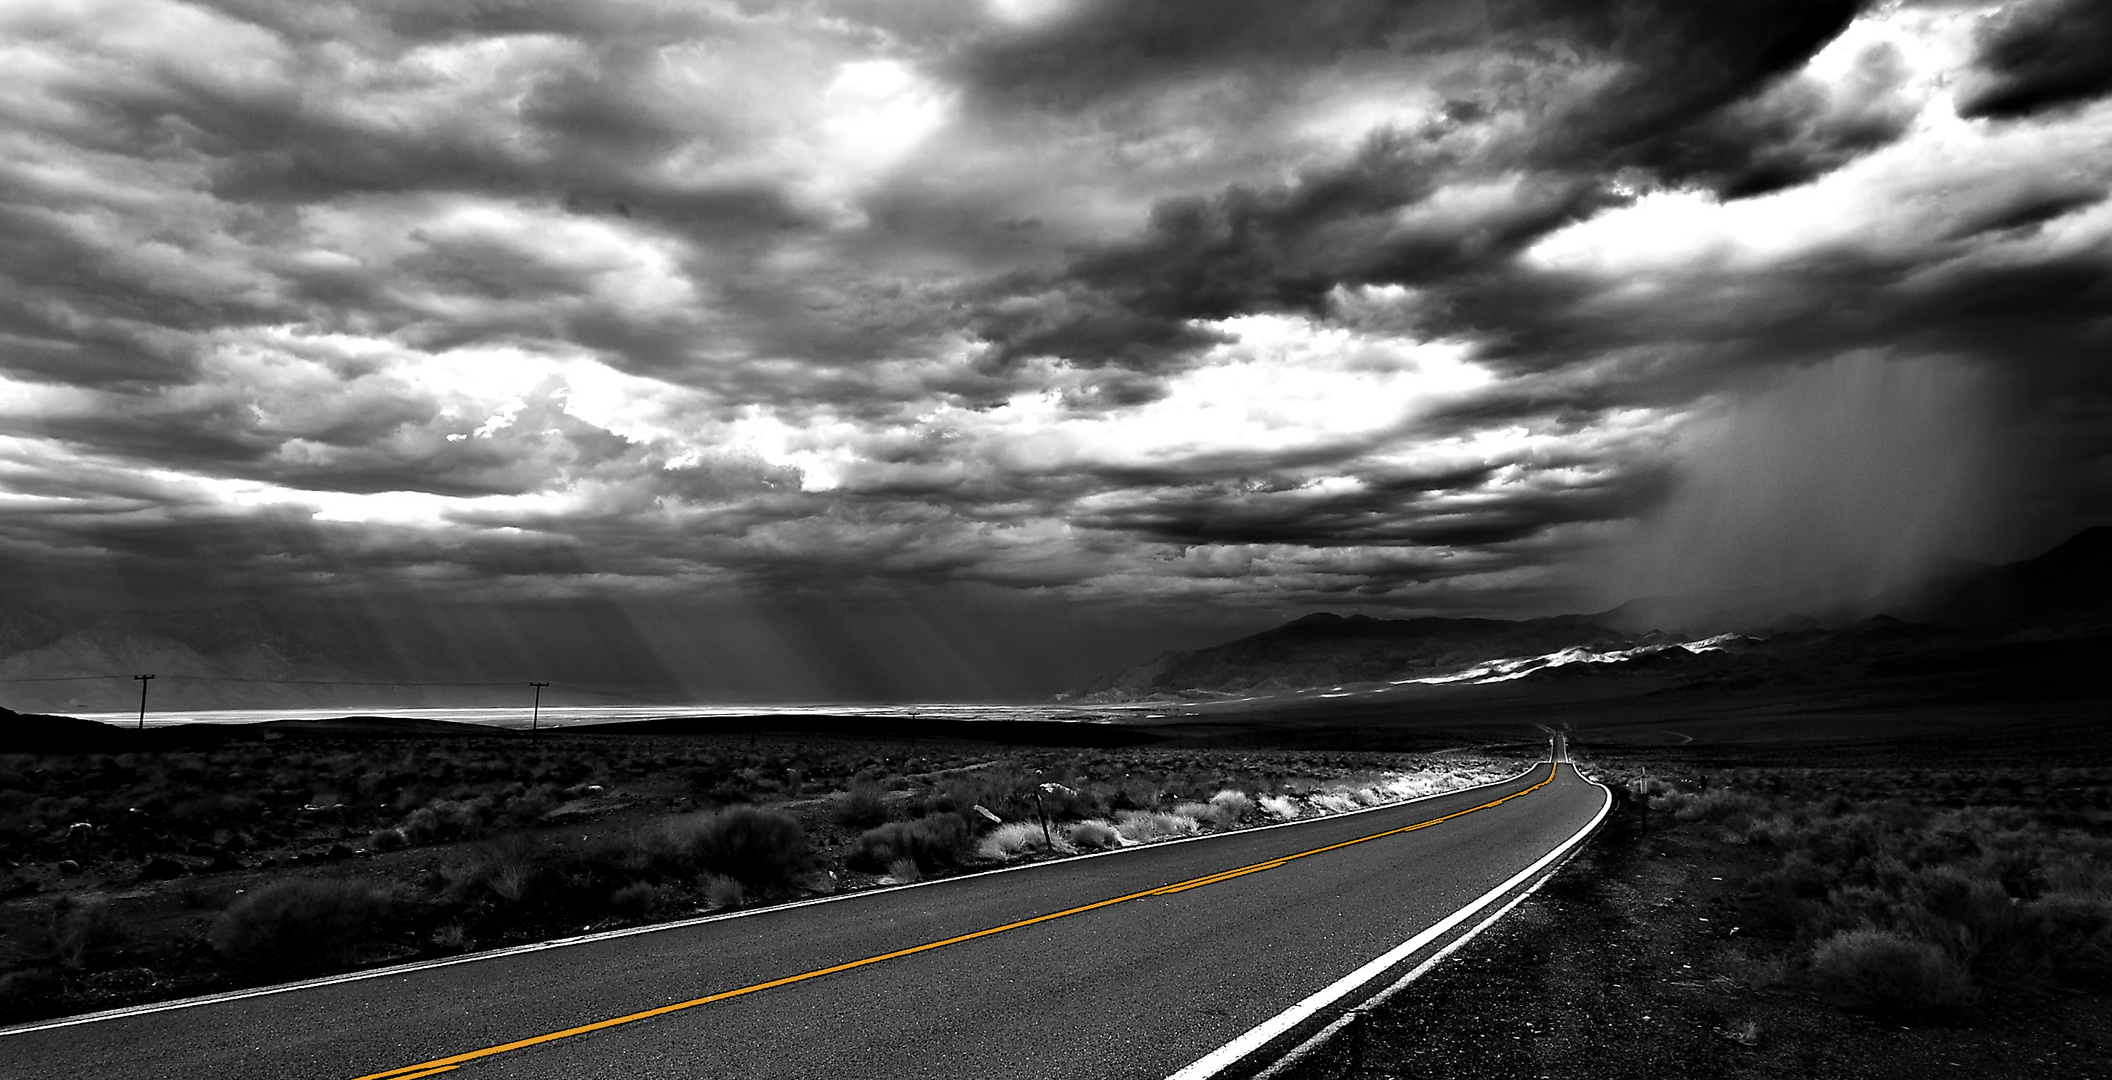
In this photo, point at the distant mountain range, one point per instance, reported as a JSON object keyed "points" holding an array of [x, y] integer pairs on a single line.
{"points": [[2065, 592], [263, 655]]}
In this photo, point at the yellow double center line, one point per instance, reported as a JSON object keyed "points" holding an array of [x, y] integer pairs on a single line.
{"points": [[446, 1064]]}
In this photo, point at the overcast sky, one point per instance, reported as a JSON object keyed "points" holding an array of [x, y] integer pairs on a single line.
{"points": [[1188, 313]]}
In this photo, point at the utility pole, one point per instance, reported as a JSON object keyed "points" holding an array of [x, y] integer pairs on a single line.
{"points": [[143, 700], [535, 718]]}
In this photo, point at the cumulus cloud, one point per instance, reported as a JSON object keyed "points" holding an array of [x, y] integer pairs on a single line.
{"points": [[1416, 307]]}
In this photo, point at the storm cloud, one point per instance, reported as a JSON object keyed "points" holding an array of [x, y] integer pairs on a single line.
{"points": [[1137, 306]]}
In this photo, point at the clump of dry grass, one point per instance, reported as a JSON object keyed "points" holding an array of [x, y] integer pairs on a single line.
{"points": [[1282, 807], [1092, 835], [1015, 838], [1229, 807], [1334, 802], [1146, 825], [451, 937], [721, 892]]}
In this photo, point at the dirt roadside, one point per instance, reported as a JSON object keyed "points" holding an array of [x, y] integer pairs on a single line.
{"points": [[1632, 962]]}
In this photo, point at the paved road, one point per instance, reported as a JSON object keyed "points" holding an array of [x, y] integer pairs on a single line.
{"points": [[1140, 983]]}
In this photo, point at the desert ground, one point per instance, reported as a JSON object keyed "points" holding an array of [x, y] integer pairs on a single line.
{"points": [[1807, 880]]}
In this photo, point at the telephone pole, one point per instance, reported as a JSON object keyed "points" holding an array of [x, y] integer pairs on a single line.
{"points": [[535, 718], [143, 700]]}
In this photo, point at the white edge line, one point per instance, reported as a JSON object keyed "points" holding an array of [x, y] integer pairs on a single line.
{"points": [[682, 924], [1320, 1038], [1224, 1057]]}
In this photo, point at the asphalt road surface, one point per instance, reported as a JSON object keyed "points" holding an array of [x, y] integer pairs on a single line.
{"points": [[1131, 964]]}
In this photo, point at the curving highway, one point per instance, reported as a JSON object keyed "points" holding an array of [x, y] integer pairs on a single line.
{"points": [[1202, 958]]}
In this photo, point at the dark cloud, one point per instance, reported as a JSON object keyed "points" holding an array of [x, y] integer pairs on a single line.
{"points": [[1787, 135], [2040, 56], [1134, 304], [1287, 247], [1280, 249], [1677, 63], [1107, 49]]}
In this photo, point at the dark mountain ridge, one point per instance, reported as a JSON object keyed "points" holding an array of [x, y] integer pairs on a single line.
{"points": [[2063, 593], [2068, 585]]}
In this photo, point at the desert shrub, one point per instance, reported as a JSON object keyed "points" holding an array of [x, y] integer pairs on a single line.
{"points": [[763, 849], [210, 810], [862, 807], [1229, 807], [1281, 807], [1198, 812], [1142, 825], [449, 819], [1774, 830], [2006, 895], [1133, 793], [1092, 835], [531, 805], [1004, 792], [933, 842], [1072, 801], [1719, 805], [506, 869], [637, 900], [452, 937], [1885, 972], [1966, 914], [626, 854], [1012, 839], [2077, 873], [714, 789], [721, 892], [388, 839], [1333, 802], [292, 925], [905, 870], [2070, 934], [82, 932]]}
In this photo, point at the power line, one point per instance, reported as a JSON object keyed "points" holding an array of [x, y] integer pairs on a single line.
{"points": [[370, 683], [581, 688], [333, 682], [275, 682]]}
